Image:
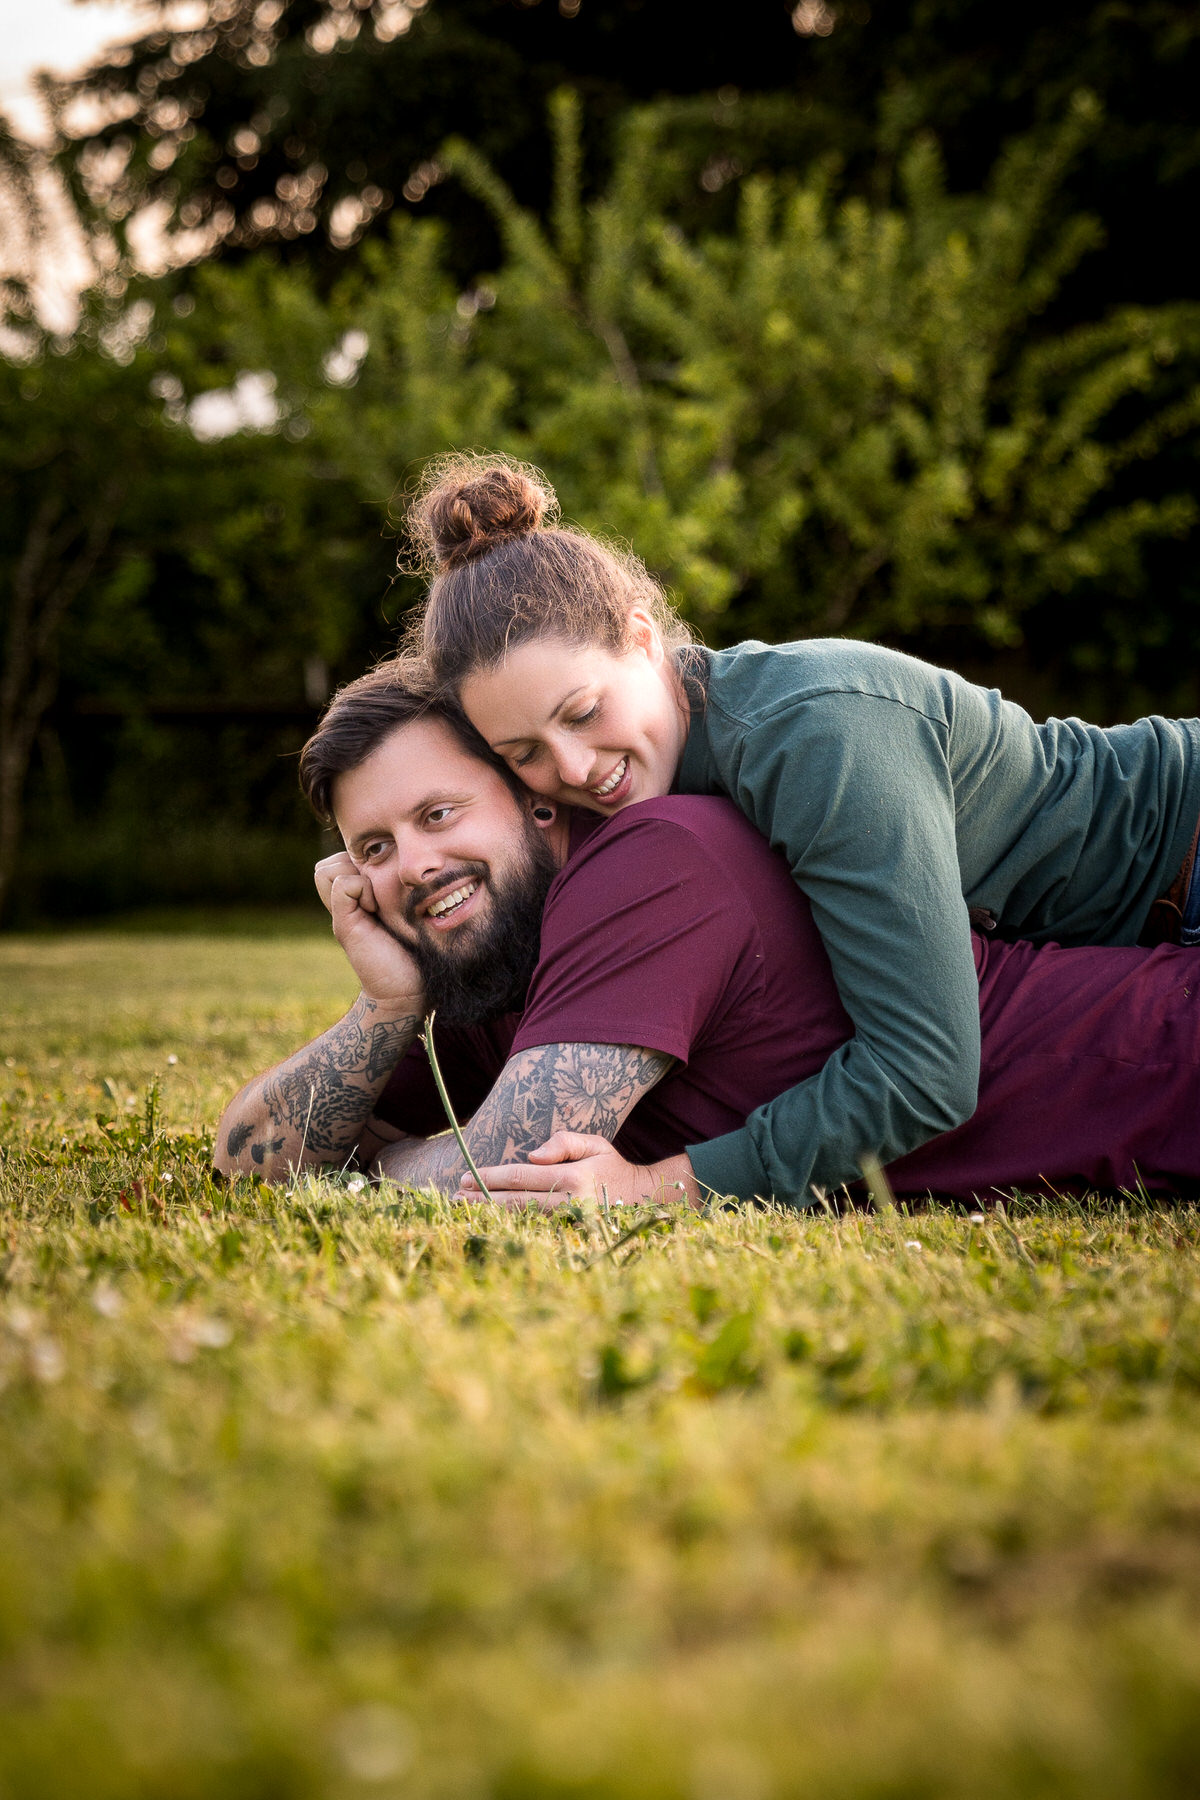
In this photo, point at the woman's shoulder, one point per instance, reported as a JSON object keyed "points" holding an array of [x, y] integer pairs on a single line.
{"points": [[752, 679]]}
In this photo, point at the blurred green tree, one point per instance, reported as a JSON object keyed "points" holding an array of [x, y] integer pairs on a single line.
{"points": [[821, 408], [64, 488], [305, 122], [162, 588], [837, 417]]}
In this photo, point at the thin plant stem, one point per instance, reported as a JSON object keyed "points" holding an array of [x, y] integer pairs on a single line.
{"points": [[427, 1035], [878, 1186], [298, 1170]]}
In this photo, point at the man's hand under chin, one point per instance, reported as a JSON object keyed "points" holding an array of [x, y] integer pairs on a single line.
{"points": [[385, 968], [575, 1165]]}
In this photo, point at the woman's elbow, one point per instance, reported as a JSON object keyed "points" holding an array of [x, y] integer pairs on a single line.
{"points": [[956, 1098]]}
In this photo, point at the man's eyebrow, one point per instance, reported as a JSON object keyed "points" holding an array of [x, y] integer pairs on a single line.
{"points": [[553, 713], [436, 797], [364, 837]]}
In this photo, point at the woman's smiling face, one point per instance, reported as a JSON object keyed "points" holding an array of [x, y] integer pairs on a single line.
{"points": [[583, 724]]}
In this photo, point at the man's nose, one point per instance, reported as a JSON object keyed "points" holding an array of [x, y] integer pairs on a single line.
{"points": [[418, 860]]}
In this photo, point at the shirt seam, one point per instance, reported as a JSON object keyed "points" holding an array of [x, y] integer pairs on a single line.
{"points": [[821, 693]]}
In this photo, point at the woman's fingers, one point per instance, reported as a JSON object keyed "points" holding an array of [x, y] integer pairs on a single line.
{"points": [[519, 1177], [569, 1146]]}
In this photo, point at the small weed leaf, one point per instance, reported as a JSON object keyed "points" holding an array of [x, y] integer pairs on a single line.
{"points": [[150, 1112], [230, 1247], [615, 1378], [842, 1355], [129, 1195], [704, 1302], [723, 1362]]}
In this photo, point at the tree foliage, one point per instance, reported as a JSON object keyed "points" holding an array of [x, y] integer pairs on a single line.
{"points": [[835, 417], [298, 122], [155, 590], [874, 322], [63, 492], [268, 116]]}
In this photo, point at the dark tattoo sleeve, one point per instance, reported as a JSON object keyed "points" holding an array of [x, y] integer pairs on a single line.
{"points": [[312, 1107], [323, 1090], [555, 1087]]}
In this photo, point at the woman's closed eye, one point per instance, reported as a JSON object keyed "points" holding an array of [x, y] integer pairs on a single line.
{"points": [[521, 759]]}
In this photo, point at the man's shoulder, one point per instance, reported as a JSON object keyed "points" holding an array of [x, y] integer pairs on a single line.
{"points": [[681, 858], [687, 827], [650, 930]]}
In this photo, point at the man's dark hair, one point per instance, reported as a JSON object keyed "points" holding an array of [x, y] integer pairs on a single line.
{"points": [[363, 713]]}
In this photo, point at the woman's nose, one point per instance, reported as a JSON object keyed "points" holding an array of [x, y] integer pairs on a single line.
{"points": [[574, 763]]}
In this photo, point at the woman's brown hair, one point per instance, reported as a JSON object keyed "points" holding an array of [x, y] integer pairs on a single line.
{"points": [[504, 571]]}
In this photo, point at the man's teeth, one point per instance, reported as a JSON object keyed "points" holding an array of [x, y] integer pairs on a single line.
{"points": [[614, 780], [449, 902]]}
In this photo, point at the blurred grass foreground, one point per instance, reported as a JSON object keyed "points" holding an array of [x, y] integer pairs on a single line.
{"points": [[337, 1491]]}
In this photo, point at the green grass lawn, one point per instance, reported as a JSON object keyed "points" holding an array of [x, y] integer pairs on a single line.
{"points": [[334, 1492]]}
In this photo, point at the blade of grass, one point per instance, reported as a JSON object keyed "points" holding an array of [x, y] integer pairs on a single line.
{"points": [[427, 1034], [879, 1188], [635, 1230]]}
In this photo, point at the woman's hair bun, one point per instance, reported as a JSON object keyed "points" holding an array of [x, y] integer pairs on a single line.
{"points": [[468, 504]]}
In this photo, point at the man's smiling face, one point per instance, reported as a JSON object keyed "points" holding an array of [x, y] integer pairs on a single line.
{"points": [[458, 868]]}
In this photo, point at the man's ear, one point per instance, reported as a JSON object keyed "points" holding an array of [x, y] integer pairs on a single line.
{"points": [[643, 634], [543, 813]]}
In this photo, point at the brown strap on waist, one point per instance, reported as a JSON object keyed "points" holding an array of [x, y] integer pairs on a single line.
{"points": [[1165, 918]]}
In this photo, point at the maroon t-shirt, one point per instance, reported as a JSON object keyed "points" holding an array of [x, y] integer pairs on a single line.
{"points": [[674, 926]]}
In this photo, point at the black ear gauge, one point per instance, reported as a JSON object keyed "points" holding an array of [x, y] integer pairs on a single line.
{"points": [[544, 814]]}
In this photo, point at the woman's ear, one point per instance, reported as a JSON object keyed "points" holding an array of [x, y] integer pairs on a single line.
{"points": [[644, 635]]}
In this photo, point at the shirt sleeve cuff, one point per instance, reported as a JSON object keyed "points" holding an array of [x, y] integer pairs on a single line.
{"points": [[730, 1167]]}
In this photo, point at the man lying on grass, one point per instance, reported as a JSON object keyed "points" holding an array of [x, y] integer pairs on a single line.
{"points": [[617, 989]]}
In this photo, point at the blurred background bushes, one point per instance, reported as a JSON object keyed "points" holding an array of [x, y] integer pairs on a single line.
{"points": [[858, 321]]}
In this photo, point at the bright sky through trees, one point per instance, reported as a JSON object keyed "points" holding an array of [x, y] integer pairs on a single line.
{"points": [[53, 34]]}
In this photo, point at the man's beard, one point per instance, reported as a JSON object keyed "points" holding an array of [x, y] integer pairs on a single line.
{"points": [[489, 971]]}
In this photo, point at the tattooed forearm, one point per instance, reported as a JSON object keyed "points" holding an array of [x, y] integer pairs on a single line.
{"points": [[322, 1087], [556, 1087], [312, 1107]]}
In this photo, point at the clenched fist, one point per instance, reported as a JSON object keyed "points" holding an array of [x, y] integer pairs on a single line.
{"points": [[385, 969]]}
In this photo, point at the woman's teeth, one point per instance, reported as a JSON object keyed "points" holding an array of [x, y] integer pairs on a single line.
{"points": [[613, 782], [450, 902]]}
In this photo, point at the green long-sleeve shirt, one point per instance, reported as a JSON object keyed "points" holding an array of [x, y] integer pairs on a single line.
{"points": [[896, 791]]}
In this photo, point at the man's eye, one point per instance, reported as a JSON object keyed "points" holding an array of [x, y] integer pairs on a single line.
{"points": [[371, 852], [437, 815]]}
